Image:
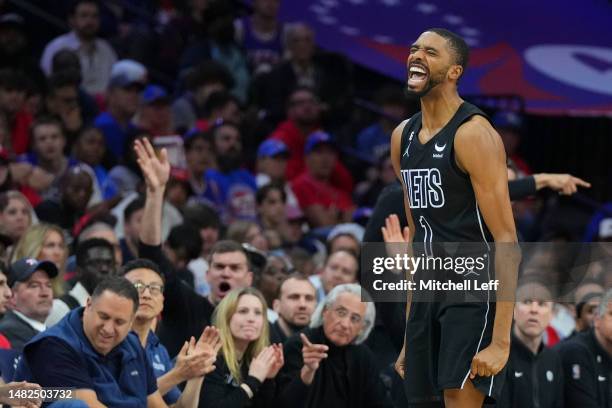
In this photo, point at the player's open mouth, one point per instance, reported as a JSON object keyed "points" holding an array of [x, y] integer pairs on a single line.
{"points": [[417, 75]]}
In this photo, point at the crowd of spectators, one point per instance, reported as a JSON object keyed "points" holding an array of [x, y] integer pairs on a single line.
{"points": [[184, 190]]}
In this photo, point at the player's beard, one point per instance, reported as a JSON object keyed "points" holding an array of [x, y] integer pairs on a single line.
{"points": [[432, 82]]}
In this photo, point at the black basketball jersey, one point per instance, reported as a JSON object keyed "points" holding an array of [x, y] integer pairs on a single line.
{"points": [[441, 197]]}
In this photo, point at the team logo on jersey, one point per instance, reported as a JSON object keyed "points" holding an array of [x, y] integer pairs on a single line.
{"points": [[518, 374], [439, 150], [424, 187], [576, 372], [550, 376], [406, 152]]}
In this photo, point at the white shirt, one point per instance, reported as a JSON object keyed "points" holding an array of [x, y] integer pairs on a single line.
{"points": [[61, 309], [36, 325], [95, 64]]}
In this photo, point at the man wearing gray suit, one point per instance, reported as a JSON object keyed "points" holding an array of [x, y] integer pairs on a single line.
{"points": [[31, 303]]}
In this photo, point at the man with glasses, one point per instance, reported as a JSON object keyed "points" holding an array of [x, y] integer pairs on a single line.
{"points": [[327, 365], [193, 361], [95, 261]]}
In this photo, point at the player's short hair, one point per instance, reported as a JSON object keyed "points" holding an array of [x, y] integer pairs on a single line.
{"points": [[456, 44]]}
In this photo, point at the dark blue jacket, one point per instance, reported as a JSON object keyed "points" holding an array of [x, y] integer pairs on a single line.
{"points": [[122, 378]]}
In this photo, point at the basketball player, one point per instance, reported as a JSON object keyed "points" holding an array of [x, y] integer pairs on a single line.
{"points": [[452, 166]]}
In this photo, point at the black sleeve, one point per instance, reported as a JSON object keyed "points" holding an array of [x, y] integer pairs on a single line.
{"points": [[50, 212], [579, 375], [561, 379], [291, 391], [174, 301], [218, 392], [55, 364], [374, 392], [522, 188]]}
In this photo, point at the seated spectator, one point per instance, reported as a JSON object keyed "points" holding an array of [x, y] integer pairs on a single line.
{"points": [[374, 141], [94, 262], [340, 267], [92, 351], [45, 242], [221, 47], [30, 282], [247, 232], [155, 115], [184, 245], [195, 359], [126, 175], [295, 301], [201, 81], [231, 188], [48, 144], [271, 166], [587, 361], [5, 297], [346, 237], [76, 189], [68, 61], [103, 230], [332, 349], [321, 201], [62, 101], [199, 158], [272, 208], [246, 367], [533, 370], [128, 79], [95, 54], [16, 214], [367, 192], [90, 148], [13, 92], [274, 271], [207, 221], [220, 106], [132, 219], [261, 35], [185, 312], [329, 77], [586, 310], [16, 49]]}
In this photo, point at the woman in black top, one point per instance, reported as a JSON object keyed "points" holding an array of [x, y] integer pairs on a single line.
{"points": [[247, 364]]}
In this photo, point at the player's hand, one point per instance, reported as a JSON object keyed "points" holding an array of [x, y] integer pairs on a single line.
{"points": [[564, 184], [489, 361], [400, 363], [156, 170], [312, 354]]}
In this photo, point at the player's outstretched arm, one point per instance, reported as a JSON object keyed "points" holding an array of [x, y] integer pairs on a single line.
{"points": [[480, 153]]}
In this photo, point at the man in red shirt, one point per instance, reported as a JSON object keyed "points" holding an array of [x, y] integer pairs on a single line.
{"points": [[323, 203], [303, 118]]}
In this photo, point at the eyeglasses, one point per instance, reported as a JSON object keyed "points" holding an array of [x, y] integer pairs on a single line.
{"points": [[341, 313], [154, 288]]}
